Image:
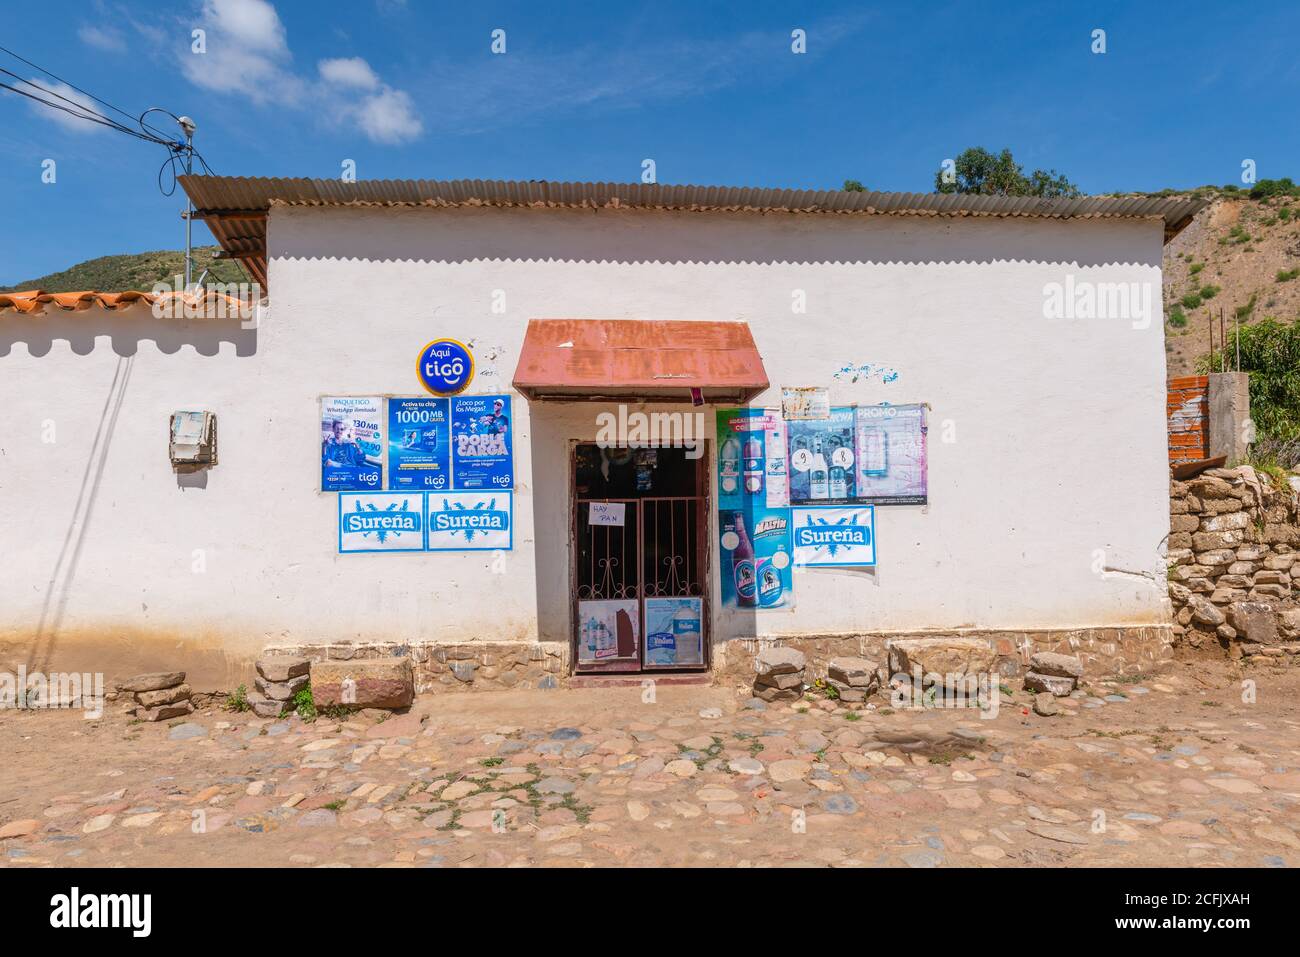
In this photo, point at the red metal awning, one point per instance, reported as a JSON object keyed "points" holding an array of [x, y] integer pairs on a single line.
{"points": [[655, 360]]}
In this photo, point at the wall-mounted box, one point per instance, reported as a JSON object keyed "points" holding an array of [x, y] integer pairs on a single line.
{"points": [[193, 441]]}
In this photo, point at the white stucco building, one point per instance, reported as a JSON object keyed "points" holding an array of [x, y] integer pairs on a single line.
{"points": [[1046, 466]]}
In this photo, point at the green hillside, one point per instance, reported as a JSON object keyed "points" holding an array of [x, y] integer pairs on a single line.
{"points": [[134, 271]]}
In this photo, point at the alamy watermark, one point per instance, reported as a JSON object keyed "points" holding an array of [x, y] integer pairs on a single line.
{"points": [[213, 300], [1085, 299], [59, 689], [635, 430]]}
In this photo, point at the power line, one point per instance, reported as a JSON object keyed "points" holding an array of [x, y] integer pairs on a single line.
{"points": [[80, 116], [59, 79]]}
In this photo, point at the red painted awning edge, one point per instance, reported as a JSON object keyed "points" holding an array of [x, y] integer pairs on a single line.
{"points": [[653, 360]]}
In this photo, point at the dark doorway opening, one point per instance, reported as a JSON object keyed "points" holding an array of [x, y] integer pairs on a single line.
{"points": [[639, 560]]}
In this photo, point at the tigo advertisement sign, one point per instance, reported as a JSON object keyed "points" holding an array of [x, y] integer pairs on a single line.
{"points": [[445, 367]]}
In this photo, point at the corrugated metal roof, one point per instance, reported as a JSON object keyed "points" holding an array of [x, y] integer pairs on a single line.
{"points": [[235, 206]]}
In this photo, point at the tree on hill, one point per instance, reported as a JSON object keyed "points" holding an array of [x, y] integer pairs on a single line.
{"points": [[979, 172]]}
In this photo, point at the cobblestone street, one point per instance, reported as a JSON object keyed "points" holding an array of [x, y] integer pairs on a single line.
{"points": [[1172, 769]]}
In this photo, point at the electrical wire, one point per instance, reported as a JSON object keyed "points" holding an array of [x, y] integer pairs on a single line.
{"points": [[146, 131], [59, 79]]}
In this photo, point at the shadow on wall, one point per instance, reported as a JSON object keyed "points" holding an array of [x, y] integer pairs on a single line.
{"points": [[62, 577], [125, 329], [465, 235]]}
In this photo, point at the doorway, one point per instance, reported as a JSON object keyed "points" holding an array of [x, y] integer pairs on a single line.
{"points": [[639, 560]]}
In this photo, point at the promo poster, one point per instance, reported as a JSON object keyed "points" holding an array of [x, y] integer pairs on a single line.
{"points": [[352, 443], [753, 510], [482, 453], [674, 629], [419, 444], [891, 455]]}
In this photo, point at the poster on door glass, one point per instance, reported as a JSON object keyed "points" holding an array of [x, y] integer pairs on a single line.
{"points": [[352, 443], [674, 631], [607, 630]]}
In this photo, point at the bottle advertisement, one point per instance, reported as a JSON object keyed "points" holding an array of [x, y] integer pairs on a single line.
{"points": [[823, 458], [753, 511]]}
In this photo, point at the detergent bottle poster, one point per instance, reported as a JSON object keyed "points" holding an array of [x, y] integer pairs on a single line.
{"points": [[482, 442], [756, 555]]}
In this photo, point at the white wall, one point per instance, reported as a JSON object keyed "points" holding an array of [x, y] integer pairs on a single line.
{"points": [[1057, 468]]}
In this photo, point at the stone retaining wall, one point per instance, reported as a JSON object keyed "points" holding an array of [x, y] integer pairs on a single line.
{"points": [[441, 668], [1233, 537], [1104, 651]]}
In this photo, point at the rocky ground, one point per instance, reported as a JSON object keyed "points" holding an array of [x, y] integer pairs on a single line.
{"points": [[1187, 767]]}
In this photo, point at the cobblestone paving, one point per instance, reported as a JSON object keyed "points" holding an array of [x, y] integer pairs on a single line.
{"points": [[1172, 770]]}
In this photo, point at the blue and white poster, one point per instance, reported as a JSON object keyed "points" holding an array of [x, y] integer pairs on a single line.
{"points": [[674, 629], [834, 536], [352, 443], [482, 452], [471, 521], [419, 444], [381, 522]]}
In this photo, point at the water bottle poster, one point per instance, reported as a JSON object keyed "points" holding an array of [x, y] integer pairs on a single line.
{"points": [[890, 459], [756, 560], [607, 629], [752, 466], [482, 442], [351, 443], [674, 631], [419, 444]]}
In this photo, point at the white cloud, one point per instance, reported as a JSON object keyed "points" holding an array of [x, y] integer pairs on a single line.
{"points": [[389, 117], [244, 51], [348, 71], [382, 113], [247, 53], [65, 120], [102, 38], [254, 23]]}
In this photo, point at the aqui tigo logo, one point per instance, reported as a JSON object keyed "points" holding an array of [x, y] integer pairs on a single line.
{"points": [[445, 367]]}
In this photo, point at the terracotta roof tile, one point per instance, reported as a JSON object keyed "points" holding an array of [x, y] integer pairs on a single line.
{"points": [[35, 301]]}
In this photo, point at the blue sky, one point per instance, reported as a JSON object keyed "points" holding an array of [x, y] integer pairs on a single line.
{"points": [[711, 92]]}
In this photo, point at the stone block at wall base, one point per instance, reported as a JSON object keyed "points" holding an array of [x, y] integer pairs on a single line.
{"points": [[453, 668], [363, 683], [1136, 649]]}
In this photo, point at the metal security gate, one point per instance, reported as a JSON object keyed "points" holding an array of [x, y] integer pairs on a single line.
{"points": [[640, 587]]}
